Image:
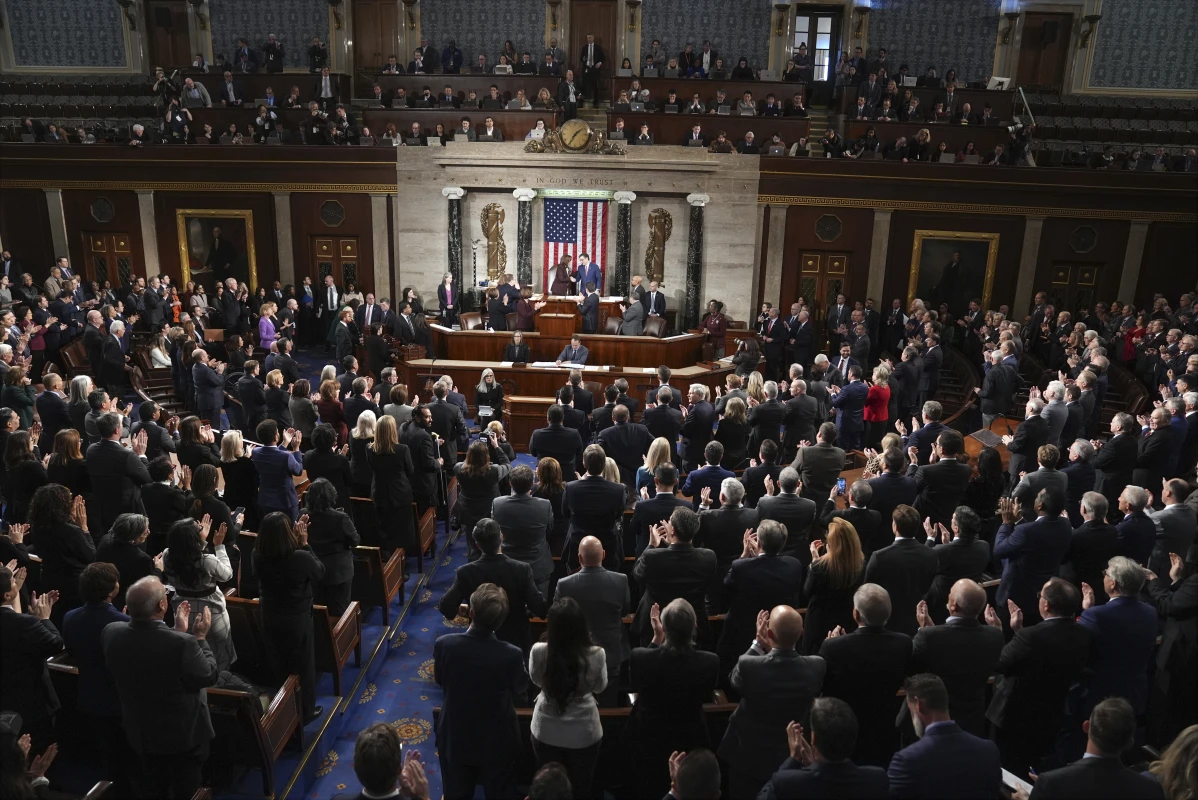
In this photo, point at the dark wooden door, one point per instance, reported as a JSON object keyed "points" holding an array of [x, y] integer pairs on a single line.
{"points": [[376, 34], [167, 38], [1044, 48], [599, 18], [338, 256], [1074, 287], [108, 257], [817, 277]]}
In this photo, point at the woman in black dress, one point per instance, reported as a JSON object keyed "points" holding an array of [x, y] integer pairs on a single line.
{"points": [[288, 573], [324, 461], [332, 536], [67, 465], [496, 310], [550, 487], [360, 440], [391, 488], [23, 476], [59, 535], [747, 355], [278, 400], [478, 484], [732, 432], [831, 582], [197, 444], [490, 394], [241, 481], [206, 501]]}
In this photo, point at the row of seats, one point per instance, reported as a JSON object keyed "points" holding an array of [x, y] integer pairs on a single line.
{"points": [[97, 107], [78, 84], [1117, 137], [1114, 112]]}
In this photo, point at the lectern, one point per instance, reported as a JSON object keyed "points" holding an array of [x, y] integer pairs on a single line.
{"points": [[558, 324]]}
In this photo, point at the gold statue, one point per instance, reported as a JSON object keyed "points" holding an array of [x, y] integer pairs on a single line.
{"points": [[661, 225], [492, 225]]}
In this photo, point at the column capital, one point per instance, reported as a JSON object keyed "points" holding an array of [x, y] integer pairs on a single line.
{"points": [[144, 192], [453, 192], [698, 200], [523, 194], [624, 197]]}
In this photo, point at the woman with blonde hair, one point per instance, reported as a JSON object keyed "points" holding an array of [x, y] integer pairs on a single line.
{"points": [[545, 100], [1177, 769], [611, 470], [873, 462], [360, 440], [159, 357], [266, 326], [391, 472], [877, 405], [831, 582], [660, 452], [733, 431], [278, 401], [496, 427], [755, 386], [241, 481]]}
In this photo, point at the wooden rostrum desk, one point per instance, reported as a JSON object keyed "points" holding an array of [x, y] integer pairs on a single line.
{"points": [[682, 350]]}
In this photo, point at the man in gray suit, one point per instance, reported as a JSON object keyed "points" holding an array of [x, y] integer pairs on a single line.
{"points": [[634, 317], [1175, 524], [820, 464], [526, 522], [1055, 410], [605, 599], [1047, 477], [776, 687], [733, 383]]}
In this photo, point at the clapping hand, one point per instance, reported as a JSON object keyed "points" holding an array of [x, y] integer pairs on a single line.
{"points": [[40, 605], [800, 750], [705, 496], [139, 441], [17, 532], [769, 486], [79, 512], [1016, 614], [301, 530], [922, 616], [205, 526], [763, 629], [1175, 567], [183, 616], [837, 631], [913, 454], [412, 780], [676, 759], [659, 631], [900, 427], [1087, 595], [815, 547], [750, 546], [1008, 507], [218, 538], [42, 763], [991, 617]]}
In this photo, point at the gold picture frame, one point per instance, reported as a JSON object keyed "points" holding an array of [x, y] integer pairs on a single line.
{"points": [[970, 244], [183, 223]]}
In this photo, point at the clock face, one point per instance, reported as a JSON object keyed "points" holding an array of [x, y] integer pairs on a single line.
{"points": [[575, 134]]}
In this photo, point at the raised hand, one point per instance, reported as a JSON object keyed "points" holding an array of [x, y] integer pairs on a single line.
{"points": [[769, 485], [659, 631], [183, 616], [676, 759], [815, 548], [203, 623], [139, 442], [991, 617], [205, 527], [705, 496], [800, 749], [42, 763], [1016, 614], [412, 779], [837, 631], [1087, 596], [17, 532], [922, 616], [40, 605], [301, 530], [1175, 567], [218, 538], [763, 628]]}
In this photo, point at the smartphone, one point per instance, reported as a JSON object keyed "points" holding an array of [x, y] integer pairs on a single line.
{"points": [[840, 484], [240, 510]]}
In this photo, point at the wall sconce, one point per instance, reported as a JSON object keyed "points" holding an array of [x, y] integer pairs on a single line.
{"points": [[862, 13], [407, 10], [1092, 19], [632, 7], [554, 5], [783, 10], [126, 5], [1011, 16]]}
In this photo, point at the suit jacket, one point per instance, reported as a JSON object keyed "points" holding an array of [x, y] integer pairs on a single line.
{"points": [[766, 420], [752, 585], [1113, 466], [825, 780], [580, 357], [82, 632], [1124, 631], [941, 487], [664, 422], [929, 379], [1135, 538], [1175, 526], [449, 425], [1092, 545], [589, 309], [26, 686], [722, 531], [819, 466], [707, 477], [1028, 437], [209, 387], [560, 443], [697, 432], [55, 416], [654, 304], [1097, 777], [1038, 666], [1031, 553], [627, 443], [873, 532], [594, 507], [655, 510], [1079, 477], [955, 560], [276, 466], [1156, 458], [667, 573], [160, 676], [850, 407], [998, 389], [800, 418], [1030, 485], [795, 512], [482, 679], [605, 598], [947, 761], [891, 490], [515, 578], [112, 364], [252, 395], [344, 341], [527, 522], [117, 475], [775, 689], [905, 569], [963, 652]]}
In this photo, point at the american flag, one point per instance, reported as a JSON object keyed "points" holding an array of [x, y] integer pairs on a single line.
{"points": [[573, 227]]}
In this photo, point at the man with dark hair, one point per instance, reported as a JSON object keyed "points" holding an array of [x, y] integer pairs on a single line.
{"points": [[1032, 550], [359, 401], [277, 461], [1048, 456], [849, 401], [426, 459], [447, 423], [117, 473], [29, 639], [672, 567], [594, 506], [627, 443], [655, 506], [760, 468], [482, 677], [526, 522], [345, 380], [904, 569], [512, 576], [1038, 667], [941, 486], [601, 418], [663, 420], [822, 767], [710, 476], [551, 782], [381, 768], [892, 488], [584, 399], [695, 775], [164, 502], [558, 442], [573, 417], [209, 388], [252, 395], [160, 440], [819, 465], [946, 761]]}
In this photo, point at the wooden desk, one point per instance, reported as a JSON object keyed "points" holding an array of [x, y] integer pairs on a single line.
{"points": [[659, 89], [684, 350], [523, 414], [413, 85], [957, 136], [675, 128], [1002, 104], [514, 125]]}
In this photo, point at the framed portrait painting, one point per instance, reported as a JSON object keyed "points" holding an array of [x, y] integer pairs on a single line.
{"points": [[952, 267], [215, 244]]}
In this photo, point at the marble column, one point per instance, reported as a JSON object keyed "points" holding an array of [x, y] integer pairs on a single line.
{"points": [[382, 257], [878, 252], [524, 235], [623, 273], [149, 236], [58, 221], [694, 262], [1033, 227], [283, 243], [1137, 237], [455, 194]]}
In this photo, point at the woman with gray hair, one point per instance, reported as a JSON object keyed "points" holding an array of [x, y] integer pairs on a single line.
{"points": [[123, 547], [77, 405], [1124, 635]]}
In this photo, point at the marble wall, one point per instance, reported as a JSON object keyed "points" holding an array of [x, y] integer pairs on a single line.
{"points": [[947, 34], [1149, 44], [675, 259], [66, 33]]}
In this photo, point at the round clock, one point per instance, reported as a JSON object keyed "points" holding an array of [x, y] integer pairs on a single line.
{"points": [[575, 134]]}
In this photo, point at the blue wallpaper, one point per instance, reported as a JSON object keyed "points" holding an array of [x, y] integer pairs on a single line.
{"points": [[743, 31], [946, 34], [66, 33], [482, 26], [295, 22], [1145, 44]]}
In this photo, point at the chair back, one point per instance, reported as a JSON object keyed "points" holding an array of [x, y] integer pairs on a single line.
{"points": [[655, 326]]}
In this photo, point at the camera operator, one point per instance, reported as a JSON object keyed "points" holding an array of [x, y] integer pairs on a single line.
{"points": [[834, 146], [178, 122]]}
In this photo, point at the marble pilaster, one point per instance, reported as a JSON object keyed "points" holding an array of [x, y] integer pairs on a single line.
{"points": [[1137, 237], [694, 262], [382, 258], [149, 237], [524, 235], [1033, 227], [878, 253], [283, 243], [58, 221], [623, 274], [455, 194]]}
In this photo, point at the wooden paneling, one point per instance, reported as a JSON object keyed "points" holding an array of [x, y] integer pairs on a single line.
{"points": [[1102, 252], [307, 224], [167, 36], [659, 89], [1169, 264], [261, 203], [902, 238], [597, 17], [25, 229], [1044, 48], [78, 207], [514, 125], [676, 128], [852, 245], [376, 33]]}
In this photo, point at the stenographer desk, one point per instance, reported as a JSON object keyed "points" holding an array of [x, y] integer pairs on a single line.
{"points": [[683, 350]]}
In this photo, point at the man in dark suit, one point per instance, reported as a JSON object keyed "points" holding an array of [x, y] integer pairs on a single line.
{"points": [[655, 505], [802, 339], [558, 442], [252, 395], [584, 399], [840, 316], [1175, 525], [278, 462], [447, 424], [774, 336], [1092, 545], [722, 530], [998, 389], [590, 59], [575, 352], [819, 465], [512, 576], [892, 488], [1124, 633], [1046, 477], [209, 387], [1115, 462], [605, 598], [117, 474], [594, 507], [627, 443], [328, 303], [342, 336], [822, 767], [671, 567], [697, 424], [426, 457], [573, 418], [285, 363], [160, 675], [866, 669], [358, 401], [777, 687], [1156, 459], [849, 401], [766, 418], [941, 485], [1032, 551], [29, 639], [112, 360], [794, 512], [160, 440], [869, 524], [664, 421], [904, 569], [654, 301], [483, 677], [1038, 666], [764, 466], [1110, 730], [947, 760], [801, 413], [1079, 478], [54, 413], [1028, 438], [923, 438], [345, 381], [710, 476], [589, 309]]}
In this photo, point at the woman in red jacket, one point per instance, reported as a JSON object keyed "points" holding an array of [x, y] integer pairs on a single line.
{"points": [[715, 326], [877, 403]]}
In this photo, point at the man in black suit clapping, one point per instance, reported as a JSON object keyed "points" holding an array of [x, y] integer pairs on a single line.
{"points": [[905, 569], [593, 506]]}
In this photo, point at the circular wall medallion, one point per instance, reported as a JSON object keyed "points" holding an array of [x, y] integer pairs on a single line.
{"points": [[332, 213], [102, 210], [828, 228], [1083, 239]]}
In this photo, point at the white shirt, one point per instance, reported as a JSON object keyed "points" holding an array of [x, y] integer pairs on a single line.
{"points": [[590, 55], [326, 90], [229, 89], [367, 314]]}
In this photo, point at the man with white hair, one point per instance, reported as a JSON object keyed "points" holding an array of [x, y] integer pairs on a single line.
{"points": [[1157, 455], [1189, 446], [1028, 438], [1054, 410], [1079, 474], [722, 530], [112, 360], [1124, 635], [5, 358], [1136, 531]]}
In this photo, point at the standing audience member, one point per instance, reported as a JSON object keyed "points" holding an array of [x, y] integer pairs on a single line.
{"points": [[196, 575], [278, 462], [58, 531], [832, 580], [392, 475], [332, 537], [905, 569], [1124, 634], [29, 639], [526, 522], [479, 478], [124, 548]]}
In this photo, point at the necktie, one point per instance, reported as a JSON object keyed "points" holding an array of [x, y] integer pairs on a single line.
{"points": [[407, 322], [332, 300], [368, 310], [590, 55], [229, 86], [327, 93]]}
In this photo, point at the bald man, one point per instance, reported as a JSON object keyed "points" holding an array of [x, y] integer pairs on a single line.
{"points": [[605, 598], [776, 686], [963, 652]]}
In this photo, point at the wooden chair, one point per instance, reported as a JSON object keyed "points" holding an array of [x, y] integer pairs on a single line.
{"points": [[470, 320], [74, 358], [655, 327], [246, 630], [335, 639], [426, 534], [247, 581], [612, 326], [376, 583], [102, 790], [250, 737]]}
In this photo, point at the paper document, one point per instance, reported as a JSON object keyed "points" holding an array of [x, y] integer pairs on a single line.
{"points": [[1013, 783]]}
